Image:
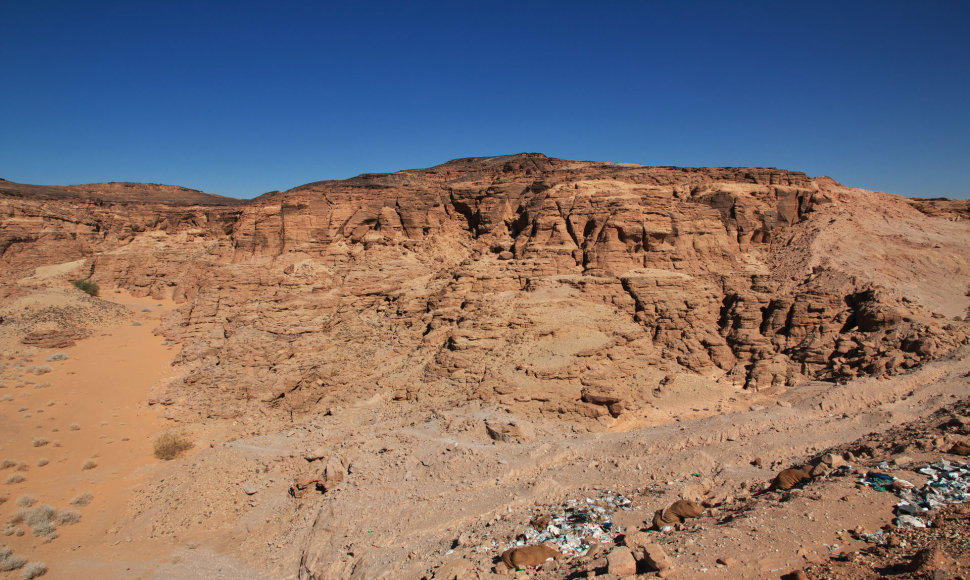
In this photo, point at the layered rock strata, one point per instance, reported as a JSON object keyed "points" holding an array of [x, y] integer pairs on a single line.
{"points": [[580, 290]]}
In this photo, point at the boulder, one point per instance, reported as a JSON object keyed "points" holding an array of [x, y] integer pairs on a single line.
{"points": [[655, 558], [621, 562], [506, 432], [960, 448]]}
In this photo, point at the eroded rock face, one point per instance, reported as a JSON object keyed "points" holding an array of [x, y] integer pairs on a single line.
{"points": [[563, 288]]}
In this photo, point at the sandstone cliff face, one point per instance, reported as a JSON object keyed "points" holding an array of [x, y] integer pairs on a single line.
{"points": [[572, 289]]}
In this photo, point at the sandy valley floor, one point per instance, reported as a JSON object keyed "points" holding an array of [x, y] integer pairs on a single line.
{"points": [[86, 410]]}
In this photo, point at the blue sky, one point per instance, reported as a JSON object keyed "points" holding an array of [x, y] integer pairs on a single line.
{"points": [[240, 98]]}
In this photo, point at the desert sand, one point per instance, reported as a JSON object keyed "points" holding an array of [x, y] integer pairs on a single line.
{"points": [[88, 407]]}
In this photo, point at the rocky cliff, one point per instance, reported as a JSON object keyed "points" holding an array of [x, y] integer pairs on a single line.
{"points": [[591, 292]]}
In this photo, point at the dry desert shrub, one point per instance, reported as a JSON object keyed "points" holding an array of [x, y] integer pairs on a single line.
{"points": [[43, 461], [39, 442], [41, 521], [82, 499], [58, 356], [33, 570], [46, 529], [88, 464], [26, 500], [8, 561], [42, 514], [14, 478], [7, 464], [67, 517], [170, 445], [75, 427]]}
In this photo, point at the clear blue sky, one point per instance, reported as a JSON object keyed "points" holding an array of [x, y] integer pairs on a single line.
{"points": [[239, 98]]}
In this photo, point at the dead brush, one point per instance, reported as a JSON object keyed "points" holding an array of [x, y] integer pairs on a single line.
{"points": [[82, 499], [170, 445], [10, 562]]}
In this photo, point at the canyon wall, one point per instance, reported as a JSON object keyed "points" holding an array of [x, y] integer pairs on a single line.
{"points": [[579, 290]]}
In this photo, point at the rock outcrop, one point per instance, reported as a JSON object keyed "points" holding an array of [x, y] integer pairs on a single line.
{"points": [[579, 290]]}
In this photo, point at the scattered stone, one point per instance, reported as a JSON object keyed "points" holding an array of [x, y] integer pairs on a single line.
{"points": [[960, 448], [621, 562], [506, 432], [928, 560], [317, 454], [655, 558], [832, 460], [901, 460], [249, 489]]}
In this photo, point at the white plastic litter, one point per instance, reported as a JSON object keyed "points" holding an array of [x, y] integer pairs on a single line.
{"points": [[574, 525]]}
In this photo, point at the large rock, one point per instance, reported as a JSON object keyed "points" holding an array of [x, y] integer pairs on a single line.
{"points": [[620, 561]]}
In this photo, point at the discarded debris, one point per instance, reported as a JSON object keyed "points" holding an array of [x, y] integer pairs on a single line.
{"points": [[575, 525], [529, 556], [677, 512], [791, 477], [878, 481], [949, 484], [878, 537]]}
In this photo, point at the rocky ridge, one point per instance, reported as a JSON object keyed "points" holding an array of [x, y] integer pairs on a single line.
{"points": [[579, 290]]}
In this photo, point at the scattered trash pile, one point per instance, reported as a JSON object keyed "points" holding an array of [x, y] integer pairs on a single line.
{"points": [[573, 526], [949, 484]]}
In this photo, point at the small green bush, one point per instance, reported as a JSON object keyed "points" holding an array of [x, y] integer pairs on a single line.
{"points": [[87, 286], [168, 446]]}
